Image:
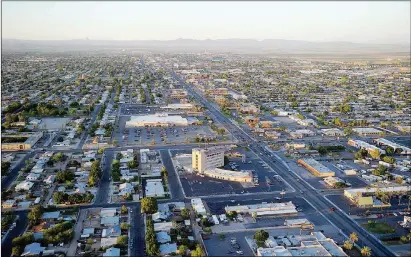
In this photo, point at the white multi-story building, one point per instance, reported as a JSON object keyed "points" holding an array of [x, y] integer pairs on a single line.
{"points": [[208, 158]]}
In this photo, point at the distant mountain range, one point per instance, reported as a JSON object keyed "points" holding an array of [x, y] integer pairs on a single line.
{"points": [[267, 46]]}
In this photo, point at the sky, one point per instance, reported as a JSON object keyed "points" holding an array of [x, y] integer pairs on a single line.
{"points": [[361, 22]]}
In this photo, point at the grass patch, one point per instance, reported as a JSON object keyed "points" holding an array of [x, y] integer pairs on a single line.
{"points": [[379, 228]]}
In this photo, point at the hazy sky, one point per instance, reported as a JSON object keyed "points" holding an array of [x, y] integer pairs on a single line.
{"points": [[374, 22]]}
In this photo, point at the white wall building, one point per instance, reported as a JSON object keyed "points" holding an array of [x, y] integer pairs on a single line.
{"points": [[156, 120], [209, 158]]}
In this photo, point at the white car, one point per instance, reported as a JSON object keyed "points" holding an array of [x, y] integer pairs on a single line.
{"points": [[239, 252]]}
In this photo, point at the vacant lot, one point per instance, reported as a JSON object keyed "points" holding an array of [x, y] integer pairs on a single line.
{"points": [[378, 228]]}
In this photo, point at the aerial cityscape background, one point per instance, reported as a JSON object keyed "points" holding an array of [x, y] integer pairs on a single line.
{"points": [[205, 128]]}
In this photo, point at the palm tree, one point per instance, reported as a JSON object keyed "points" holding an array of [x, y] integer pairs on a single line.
{"points": [[366, 251], [353, 237], [348, 245]]}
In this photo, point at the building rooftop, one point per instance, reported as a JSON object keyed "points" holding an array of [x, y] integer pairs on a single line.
{"points": [[229, 173], [356, 191], [317, 165], [157, 118], [366, 130]]}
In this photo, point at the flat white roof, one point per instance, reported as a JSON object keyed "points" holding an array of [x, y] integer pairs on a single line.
{"points": [[366, 130], [156, 118], [317, 165], [262, 207], [228, 173], [392, 144], [154, 187], [354, 191]]}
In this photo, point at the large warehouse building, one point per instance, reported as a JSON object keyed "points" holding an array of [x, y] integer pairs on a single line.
{"points": [[20, 141], [156, 120], [264, 209], [230, 175], [316, 168], [365, 196]]}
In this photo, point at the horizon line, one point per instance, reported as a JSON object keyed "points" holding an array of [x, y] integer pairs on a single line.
{"points": [[208, 39]]}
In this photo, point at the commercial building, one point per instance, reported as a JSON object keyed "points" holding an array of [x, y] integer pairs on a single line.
{"points": [[230, 175], [217, 91], [365, 196], [333, 132], [154, 188], [395, 146], [300, 133], [19, 141], [297, 223], [249, 108], [156, 120], [316, 168], [331, 181], [178, 94], [178, 106], [207, 158], [368, 132], [198, 206], [272, 134], [265, 209], [364, 145], [315, 244]]}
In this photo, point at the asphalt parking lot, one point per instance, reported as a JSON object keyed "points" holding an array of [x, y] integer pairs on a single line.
{"points": [[344, 204], [196, 185], [217, 247], [308, 212], [166, 135], [223, 247]]}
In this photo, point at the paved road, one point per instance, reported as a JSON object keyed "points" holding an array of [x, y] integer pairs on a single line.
{"points": [[102, 195], [14, 173], [137, 232], [174, 185], [6, 245], [339, 219], [93, 120]]}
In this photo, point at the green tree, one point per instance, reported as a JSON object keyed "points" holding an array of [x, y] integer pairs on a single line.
{"points": [[353, 237], [366, 251], [59, 197], [58, 157], [124, 226], [35, 214], [198, 252], [149, 205], [348, 245], [5, 167], [389, 150], [260, 236], [274, 113], [185, 213], [63, 176], [80, 128], [182, 250], [389, 159], [132, 164], [399, 180], [294, 104], [375, 153], [124, 209], [122, 240]]}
